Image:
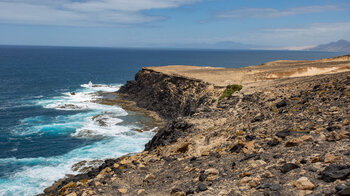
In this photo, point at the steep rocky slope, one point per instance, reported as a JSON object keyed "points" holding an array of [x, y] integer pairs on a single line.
{"points": [[169, 96], [289, 136]]}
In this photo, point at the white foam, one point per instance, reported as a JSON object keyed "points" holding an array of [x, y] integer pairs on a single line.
{"points": [[31, 180], [103, 125], [100, 121], [81, 99], [101, 87]]}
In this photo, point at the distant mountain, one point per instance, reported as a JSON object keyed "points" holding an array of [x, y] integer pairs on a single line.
{"points": [[218, 45], [223, 45], [338, 46]]}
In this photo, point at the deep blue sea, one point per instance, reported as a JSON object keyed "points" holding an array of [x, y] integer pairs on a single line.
{"points": [[45, 129]]}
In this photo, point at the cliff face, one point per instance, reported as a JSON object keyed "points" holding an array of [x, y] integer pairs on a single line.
{"points": [[169, 96], [290, 137]]}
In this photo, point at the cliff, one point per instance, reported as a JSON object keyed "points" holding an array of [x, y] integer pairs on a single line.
{"points": [[286, 135], [169, 96]]}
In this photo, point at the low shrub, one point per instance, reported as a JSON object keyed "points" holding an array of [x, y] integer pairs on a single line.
{"points": [[230, 89]]}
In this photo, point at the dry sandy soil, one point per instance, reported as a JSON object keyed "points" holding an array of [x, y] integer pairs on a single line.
{"points": [[255, 75]]}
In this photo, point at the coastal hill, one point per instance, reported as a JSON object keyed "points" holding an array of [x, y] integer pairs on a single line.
{"points": [[338, 46], [281, 128]]}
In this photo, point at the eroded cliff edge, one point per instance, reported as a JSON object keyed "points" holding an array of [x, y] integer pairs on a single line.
{"points": [[289, 136], [170, 96]]}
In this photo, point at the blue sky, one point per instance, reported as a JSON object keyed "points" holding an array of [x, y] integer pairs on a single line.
{"points": [[166, 23]]}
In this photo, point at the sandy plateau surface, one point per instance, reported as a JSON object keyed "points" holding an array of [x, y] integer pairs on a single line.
{"points": [[255, 75]]}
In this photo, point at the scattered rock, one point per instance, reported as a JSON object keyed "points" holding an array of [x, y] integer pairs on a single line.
{"points": [[268, 174], [244, 180], [283, 134], [315, 158], [337, 135], [139, 130], [122, 191], [233, 165], [212, 174], [340, 187], [139, 192], [282, 103], [202, 177], [249, 147], [236, 148], [149, 177], [303, 161], [177, 192], [307, 138], [330, 158], [212, 171], [289, 167], [275, 187], [273, 142], [304, 183], [183, 148], [254, 182], [201, 187], [245, 174], [258, 118], [344, 192], [72, 194], [293, 142], [335, 172]]}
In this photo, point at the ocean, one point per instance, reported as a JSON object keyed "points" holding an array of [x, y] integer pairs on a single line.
{"points": [[49, 118]]}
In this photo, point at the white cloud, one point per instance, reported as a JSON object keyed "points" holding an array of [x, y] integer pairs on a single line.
{"points": [[83, 13], [272, 13], [312, 34]]}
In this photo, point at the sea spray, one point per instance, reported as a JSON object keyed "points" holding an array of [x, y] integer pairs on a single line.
{"points": [[90, 121]]}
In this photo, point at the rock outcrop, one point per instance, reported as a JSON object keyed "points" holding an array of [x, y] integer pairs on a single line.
{"points": [[169, 96]]}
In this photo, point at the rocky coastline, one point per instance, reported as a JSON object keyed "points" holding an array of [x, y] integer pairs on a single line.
{"points": [[277, 136]]}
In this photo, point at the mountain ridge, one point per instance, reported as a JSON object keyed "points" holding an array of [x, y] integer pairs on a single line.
{"points": [[338, 46]]}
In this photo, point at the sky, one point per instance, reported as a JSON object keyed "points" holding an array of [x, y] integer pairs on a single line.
{"points": [[168, 23]]}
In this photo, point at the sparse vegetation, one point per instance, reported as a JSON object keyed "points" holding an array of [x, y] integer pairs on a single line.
{"points": [[230, 89]]}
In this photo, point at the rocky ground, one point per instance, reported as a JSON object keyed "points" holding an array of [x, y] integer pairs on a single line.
{"points": [[290, 137]]}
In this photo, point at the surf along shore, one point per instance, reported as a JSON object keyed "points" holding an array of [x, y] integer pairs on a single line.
{"points": [[286, 132]]}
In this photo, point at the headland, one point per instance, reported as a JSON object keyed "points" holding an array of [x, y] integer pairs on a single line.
{"points": [[286, 132]]}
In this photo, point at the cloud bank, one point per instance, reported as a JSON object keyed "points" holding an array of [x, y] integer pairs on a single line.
{"points": [[311, 34], [272, 13], [83, 13]]}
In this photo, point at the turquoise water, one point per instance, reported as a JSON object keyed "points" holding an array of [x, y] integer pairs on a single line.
{"points": [[45, 128]]}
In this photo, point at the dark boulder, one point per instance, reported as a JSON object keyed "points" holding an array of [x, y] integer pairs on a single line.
{"points": [[202, 177], [282, 103], [289, 167], [169, 134], [236, 148], [344, 192], [201, 187], [283, 134], [335, 172], [273, 143], [258, 118], [233, 165]]}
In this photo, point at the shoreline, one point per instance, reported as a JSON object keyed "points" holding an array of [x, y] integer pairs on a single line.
{"points": [[207, 146], [130, 106]]}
